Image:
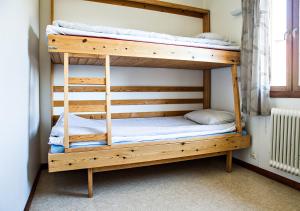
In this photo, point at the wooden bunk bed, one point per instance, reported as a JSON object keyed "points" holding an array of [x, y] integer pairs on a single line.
{"points": [[108, 52]]}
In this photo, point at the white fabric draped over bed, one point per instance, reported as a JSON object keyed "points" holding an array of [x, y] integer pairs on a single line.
{"points": [[78, 29], [136, 129]]}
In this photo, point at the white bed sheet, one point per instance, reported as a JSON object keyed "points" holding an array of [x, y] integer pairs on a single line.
{"points": [[78, 29], [135, 130]]}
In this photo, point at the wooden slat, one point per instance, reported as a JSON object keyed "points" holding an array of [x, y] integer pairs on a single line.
{"points": [[72, 61], [155, 89], [87, 108], [144, 152], [89, 137], [60, 103], [157, 162], [131, 89], [156, 101], [129, 102], [81, 88], [108, 101], [160, 6], [148, 114], [121, 61], [130, 115], [61, 43], [66, 100], [87, 81]]}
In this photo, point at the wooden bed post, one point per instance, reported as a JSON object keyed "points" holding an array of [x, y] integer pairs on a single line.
{"points": [[206, 73], [207, 89], [52, 10], [237, 111], [51, 64], [236, 96], [108, 99], [229, 161], [206, 22], [90, 182], [66, 100]]}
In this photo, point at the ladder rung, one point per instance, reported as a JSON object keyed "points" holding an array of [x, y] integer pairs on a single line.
{"points": [[89, 137], [82, 55], [87, 108], [60, 103], [87, 81]]}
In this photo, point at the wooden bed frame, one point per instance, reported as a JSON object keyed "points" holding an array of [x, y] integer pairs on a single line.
{"points": [[107, 52]]}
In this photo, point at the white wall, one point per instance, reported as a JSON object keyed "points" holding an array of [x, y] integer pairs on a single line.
{"points": [[19, 107], [102, 14], [221, 20], [258, 127]]}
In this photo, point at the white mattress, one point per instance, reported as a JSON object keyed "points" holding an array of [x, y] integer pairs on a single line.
{"points": [[136, 129], [77, 29]]}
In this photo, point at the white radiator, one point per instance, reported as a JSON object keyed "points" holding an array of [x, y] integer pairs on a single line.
{"points": [[285, 154]]}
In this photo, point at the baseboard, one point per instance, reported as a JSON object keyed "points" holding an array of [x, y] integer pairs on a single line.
{"points": [[35, 183], [266, 173]]}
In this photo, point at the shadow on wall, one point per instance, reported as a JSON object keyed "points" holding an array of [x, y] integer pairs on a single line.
{"points": [[33, 107]]}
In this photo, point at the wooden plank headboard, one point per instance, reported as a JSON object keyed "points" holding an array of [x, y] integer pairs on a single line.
{"points": [[92, 107], [87, 107]]}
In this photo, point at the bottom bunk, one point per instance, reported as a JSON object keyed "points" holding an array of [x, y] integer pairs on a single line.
{"points": [[122, 156], [134, 130], [140, 142]]}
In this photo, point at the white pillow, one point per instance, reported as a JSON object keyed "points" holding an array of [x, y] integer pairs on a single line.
{"points": [[211, 36], [210, 117]]}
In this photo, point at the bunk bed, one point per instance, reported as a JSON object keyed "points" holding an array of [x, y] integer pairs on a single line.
{"points": [[80, 49]]}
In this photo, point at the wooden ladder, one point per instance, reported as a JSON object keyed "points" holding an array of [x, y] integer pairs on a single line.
{"points": [[68, 107], [87, 108]]}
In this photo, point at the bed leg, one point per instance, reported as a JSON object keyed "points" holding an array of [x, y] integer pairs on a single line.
{"points": [[90, 183], [229, 161]]}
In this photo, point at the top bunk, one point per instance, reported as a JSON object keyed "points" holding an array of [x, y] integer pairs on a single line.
{"points": [[87, 44]]}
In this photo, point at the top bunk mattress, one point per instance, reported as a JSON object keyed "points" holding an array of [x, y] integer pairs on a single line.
{"points": [[135, 130], [78, 29]]}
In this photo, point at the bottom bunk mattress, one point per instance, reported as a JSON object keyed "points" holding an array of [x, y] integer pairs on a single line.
{"points": [[133, 130]]}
